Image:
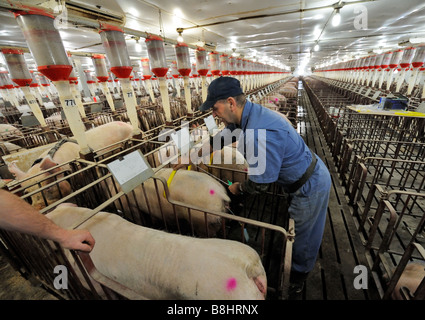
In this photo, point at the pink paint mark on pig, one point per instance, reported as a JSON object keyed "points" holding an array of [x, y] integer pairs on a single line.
{"points": [[212, 191], [231, 284]]}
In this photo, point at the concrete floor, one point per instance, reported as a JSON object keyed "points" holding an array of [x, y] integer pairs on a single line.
{"points": [[13, 286]]}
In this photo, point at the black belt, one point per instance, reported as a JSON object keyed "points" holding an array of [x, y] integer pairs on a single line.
{"points": [[307, 174]]}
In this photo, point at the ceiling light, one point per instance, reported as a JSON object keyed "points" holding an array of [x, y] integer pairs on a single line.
{"points": [[316, 47], [336, 19], [180, 38], [416, 40]]}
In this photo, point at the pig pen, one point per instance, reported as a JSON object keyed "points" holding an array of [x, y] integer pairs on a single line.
{"points": [[379, 162], [36, 259]]}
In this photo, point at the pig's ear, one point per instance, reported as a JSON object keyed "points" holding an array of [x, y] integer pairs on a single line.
{"points": [[47, 163], [17, 173]]}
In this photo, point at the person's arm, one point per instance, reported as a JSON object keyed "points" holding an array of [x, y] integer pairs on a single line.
{"points": [[18, 215], [214, 143]]}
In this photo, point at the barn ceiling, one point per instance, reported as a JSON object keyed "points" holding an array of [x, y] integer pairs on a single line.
{"points": [[281, 33]]}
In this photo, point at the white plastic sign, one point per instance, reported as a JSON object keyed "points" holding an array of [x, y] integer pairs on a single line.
{"points": [[210, 123], [130, 170]]}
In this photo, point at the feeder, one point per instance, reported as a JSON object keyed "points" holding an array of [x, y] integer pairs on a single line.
{"points": [[35, 86], [232, 66], [384, 66], [45, 43], [249, 73], [417, 62], [159, 68], [346, 70], [136, 77], [255, 69], [202, 68], [359, 69], [377, 67], [6, 85], [244, 73], [353, 69], [116, 50], [156, 52], [395, 61], [370, 68], [405, 62], [147, 75], [103, 76], [90, 80], [224, 64], [46, 47], [73, 83], [45, 85], [184, 68], [194, 76], [22, 77], [175, 74], [239, 66], [215, 63]]}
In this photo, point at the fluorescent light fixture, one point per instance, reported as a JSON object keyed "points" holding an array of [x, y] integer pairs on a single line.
{"points": [[336, 19], [180, 38], [416, 40]]}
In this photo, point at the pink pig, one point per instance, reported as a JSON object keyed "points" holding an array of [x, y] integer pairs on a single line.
{"points": [[160, 265], [98, 138]]}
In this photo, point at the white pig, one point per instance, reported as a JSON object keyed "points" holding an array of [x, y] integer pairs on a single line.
{"points": [[189, 187], [230, 159], [97, 138], [411, 277], [162, 266], [8, 130]]}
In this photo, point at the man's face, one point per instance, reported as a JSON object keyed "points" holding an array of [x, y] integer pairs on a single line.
{"points": [[222, 110]]}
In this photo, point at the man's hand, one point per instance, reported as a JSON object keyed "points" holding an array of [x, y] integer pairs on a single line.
{"points": [[77, 240], [234, 188]]}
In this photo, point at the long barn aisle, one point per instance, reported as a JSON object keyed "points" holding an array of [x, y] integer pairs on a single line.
{"points": [[341, 250]]}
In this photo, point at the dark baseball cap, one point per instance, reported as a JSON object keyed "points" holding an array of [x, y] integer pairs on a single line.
{"points": [[221, 88]]}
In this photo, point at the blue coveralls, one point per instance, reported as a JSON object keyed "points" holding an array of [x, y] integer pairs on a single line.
{"points": [[286, 158]]}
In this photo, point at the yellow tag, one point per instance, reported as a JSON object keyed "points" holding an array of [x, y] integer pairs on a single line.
{"points": [[169, 180]]}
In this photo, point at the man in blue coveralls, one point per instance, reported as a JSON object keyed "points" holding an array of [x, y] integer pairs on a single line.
{"points": [[281, 156]]}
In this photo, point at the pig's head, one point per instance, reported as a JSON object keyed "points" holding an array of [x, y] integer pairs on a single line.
{"points": [[51, 194]]}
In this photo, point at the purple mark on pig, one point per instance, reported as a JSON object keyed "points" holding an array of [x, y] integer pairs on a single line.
{"points": [[212, 191], [231, 284]]}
